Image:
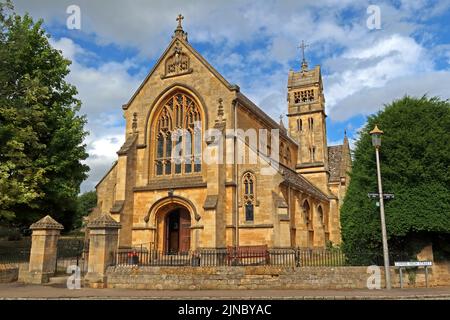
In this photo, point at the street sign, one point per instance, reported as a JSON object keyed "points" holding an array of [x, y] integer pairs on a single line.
{"points": [[413, 263], [386, 196], [409, 264]]}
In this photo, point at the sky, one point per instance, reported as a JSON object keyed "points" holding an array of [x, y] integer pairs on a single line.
{"points": [[253, 44]]}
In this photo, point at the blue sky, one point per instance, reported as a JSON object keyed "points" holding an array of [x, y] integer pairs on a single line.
{"points": [[253, 44]]}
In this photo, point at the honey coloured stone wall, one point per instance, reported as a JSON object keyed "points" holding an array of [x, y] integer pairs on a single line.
{"points": [[8, 273], [259, 277]]}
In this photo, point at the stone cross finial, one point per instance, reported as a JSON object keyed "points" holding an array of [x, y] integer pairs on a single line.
{"points": [[304, 63], [179, 30], [281, 122], [180, 19]]}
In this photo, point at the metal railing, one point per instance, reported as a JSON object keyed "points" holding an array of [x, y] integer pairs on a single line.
{"points": [[15, 255], [286, 257]]}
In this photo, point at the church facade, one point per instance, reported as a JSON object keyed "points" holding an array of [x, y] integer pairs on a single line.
{"points": [[169, 195]]}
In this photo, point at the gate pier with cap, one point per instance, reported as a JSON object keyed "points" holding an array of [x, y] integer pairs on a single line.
{"points": [[44, 241]]}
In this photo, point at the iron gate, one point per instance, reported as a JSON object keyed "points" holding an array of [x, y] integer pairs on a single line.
{"points": [[72, 252]]}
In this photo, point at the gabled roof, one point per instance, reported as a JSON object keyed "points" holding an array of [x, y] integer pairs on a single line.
{"points": [[195, 54], [106, 174], [233, 87]]}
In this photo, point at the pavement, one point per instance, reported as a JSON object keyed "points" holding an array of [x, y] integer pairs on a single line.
{"points": [[17, 290]]}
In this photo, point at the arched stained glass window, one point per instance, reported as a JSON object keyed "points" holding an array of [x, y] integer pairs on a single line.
{"points": [[178, 143]]}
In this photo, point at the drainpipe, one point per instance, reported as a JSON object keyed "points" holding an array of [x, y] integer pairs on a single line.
{"points": [[236, 179], [289, 213]]}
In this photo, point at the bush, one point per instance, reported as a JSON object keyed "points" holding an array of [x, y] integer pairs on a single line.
{"points": [[415, 166]]}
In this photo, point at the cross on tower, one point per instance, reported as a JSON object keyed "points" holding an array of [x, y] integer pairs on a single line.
{"points": [[179, 19], [281, 120], [304, 63], [303, 46]]}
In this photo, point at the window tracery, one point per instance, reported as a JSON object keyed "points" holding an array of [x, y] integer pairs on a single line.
{"points": [[178, 147], [248, 182]]}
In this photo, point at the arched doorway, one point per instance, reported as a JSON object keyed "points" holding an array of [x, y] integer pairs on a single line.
{"points": [[177, 231], [170, 219]]}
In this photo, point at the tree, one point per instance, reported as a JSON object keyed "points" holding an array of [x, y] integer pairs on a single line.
{"points": [[415, 166], [41, 133], [85, 203]]}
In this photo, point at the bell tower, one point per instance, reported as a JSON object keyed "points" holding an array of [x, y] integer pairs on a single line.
{"points": [[307, 126]]}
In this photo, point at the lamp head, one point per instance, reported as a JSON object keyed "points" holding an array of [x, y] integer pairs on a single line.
{"points": [[376, 134]]}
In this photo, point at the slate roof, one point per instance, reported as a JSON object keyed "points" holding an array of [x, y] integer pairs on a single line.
{"points": [[127, 145], [296, 179], [335, 157], [211, 202]]}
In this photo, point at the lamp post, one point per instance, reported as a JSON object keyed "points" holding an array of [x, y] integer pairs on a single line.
{"points": [[376, 142]]}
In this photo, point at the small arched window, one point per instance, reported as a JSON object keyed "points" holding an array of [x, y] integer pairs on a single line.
{"points": [[320, 213], [248, 182], [299, 125], [308, 215], [311, 124], [323, 217]]}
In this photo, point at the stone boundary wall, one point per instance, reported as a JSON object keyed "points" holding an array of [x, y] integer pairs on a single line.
{"points": [[9, 273], [259, 277]]}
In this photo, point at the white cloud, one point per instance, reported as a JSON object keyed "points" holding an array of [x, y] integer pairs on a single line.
{"points": [[371, 99], [102, 90], [373, 67], [102, 154]]}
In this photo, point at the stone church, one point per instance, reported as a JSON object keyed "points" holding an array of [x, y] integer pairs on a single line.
{"points": [[176, 204]]}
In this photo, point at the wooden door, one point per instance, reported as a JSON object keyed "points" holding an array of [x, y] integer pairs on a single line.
{"points": [[173, 229], [185, 231]]}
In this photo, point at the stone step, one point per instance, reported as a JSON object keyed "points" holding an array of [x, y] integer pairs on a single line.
{"points": [[58, 280], [61, 281]]}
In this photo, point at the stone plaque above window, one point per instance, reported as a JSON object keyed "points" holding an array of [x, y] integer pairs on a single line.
{"points": [[178, 63]]}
